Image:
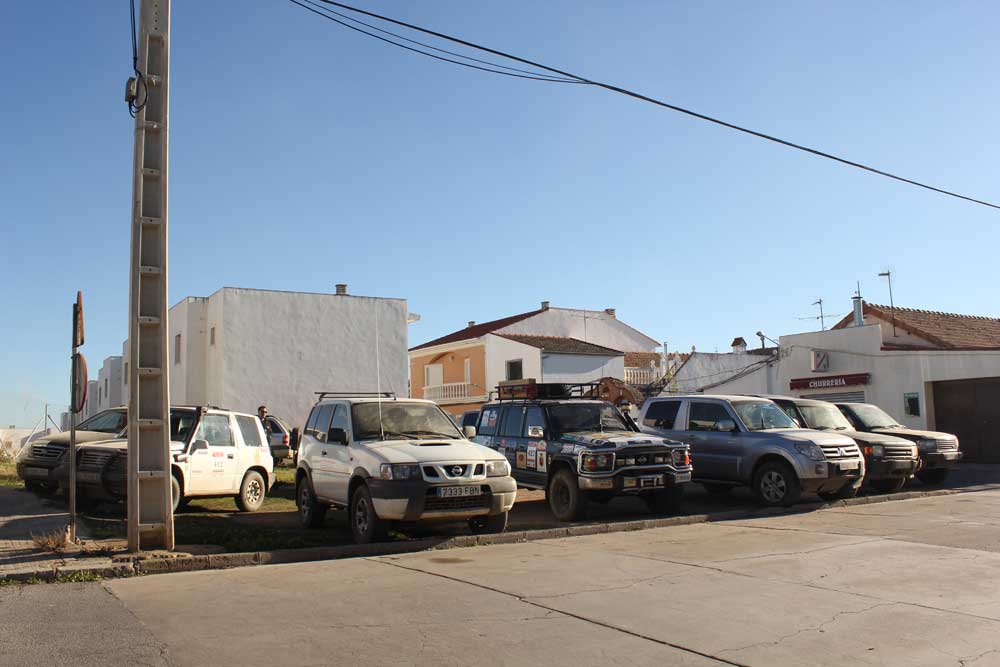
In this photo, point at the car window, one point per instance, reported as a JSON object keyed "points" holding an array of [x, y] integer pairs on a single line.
{"points": [[248, 429], [762, 415], [274, 425], [110, 421], [586, 416], [488, 421], [311, 422], [706, 416], [470, 418], [215, 430], [789, 410], [181, 423], [873, 417], [340, 419], [512, 422], [823, 417], [401, 419], [322, 426], [534, 417], [661, 414]]}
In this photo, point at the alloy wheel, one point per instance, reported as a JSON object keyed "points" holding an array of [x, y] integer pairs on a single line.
{"points": [[361, 515], [254, 492], [773, 486]]}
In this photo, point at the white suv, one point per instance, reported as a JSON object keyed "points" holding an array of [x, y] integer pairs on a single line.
{"points": [[215, 453], [385, 459]]}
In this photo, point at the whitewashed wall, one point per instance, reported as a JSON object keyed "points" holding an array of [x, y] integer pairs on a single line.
{"points": [[600, 329], [500, 350], [581, 367], [109, 384]]}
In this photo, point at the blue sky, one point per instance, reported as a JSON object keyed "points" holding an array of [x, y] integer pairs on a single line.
{"points": [[303, 155]]}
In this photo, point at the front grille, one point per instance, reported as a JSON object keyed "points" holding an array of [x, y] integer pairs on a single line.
{"points": [[898, 452], [834, 452], [628, 457], [47, 452], [947, 445], [434, 504], [94, 458]]}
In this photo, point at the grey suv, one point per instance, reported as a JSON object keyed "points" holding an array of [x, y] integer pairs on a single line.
{"points": [[738, 440]]}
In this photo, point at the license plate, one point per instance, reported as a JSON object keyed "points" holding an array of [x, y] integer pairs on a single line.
{"points": [[88, 476], [682, 477], [848, 465], [651, 481], [459, 491], [36, 473]]}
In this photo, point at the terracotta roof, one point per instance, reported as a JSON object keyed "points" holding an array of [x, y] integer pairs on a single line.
{"points": [[476, 330], [560, 344], [642, 359], [949, 331], [738, 341]]}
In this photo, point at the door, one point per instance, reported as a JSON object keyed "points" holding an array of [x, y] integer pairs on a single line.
{"points": [[278, 433], [509, 439], [251, 448], [535, 448], [340, 459], [714, 454], [970, 409], [319, 458], [213, 470]]}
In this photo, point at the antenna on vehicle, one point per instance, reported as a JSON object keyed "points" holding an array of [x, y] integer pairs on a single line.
{"points": [[378, 374]]}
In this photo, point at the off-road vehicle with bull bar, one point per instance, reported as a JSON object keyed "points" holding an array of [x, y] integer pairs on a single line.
{"points": [[580, 449]]}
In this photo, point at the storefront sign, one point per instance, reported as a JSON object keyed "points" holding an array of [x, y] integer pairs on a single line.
{"points": [[830, 381]]}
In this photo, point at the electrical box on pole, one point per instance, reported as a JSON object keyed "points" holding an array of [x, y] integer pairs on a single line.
{"points": [[150, 510]]}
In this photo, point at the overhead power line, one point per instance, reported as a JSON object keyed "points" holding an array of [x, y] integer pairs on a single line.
{"points": [[563, 76]]}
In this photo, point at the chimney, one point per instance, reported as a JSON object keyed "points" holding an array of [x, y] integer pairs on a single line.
{"points": [[610, 311], [341, 289], [739, 344], [859, 312], [545, 305], [472, 323]]}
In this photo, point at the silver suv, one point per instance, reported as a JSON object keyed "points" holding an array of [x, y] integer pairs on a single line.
{"points": [[739, 440]]}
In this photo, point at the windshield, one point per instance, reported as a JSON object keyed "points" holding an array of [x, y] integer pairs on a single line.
{"points": [[760, 415], [181, 422], [570, 417], [109, 421], [824, 417], [401, 420], [873, 417]]}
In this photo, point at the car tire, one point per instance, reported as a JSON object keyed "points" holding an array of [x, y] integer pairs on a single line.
{"points": [[566, 500], [311, 512], [253, 489], [667, 501], [366, 527], [933, 476], [777, 485], [489, 525], [843, 493], [888, 485], [717, 489], [42, 488], [177, 498]]}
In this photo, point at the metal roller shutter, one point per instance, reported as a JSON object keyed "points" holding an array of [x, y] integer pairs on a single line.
{"points": [[842, 397]]}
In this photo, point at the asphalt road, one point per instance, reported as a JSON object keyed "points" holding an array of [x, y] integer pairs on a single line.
{"points": [[910, 583]]}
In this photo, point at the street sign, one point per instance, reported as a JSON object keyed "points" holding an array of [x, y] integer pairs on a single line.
{"points": [[78, 383], [78, 320]]}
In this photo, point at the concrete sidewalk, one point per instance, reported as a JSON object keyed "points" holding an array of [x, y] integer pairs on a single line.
{"points": [[911, 583], [24, 514]]}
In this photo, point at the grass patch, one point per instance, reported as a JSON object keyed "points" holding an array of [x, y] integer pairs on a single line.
{"points": [[8, 475], [77, 577], [54, 541]]}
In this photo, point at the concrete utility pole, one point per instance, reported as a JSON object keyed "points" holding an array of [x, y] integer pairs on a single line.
{"points": [[150, 507]]}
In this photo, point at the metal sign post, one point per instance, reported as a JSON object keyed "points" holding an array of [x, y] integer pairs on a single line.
{"points": [[78, 396], [150, 510]]}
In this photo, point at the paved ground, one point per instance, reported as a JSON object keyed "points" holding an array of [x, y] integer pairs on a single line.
{"points": [[906, 583], [23, 514]]}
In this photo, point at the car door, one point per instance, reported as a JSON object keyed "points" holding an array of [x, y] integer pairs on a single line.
{"points": [[339, 458], [319, 457], [251, 447], [510, 439], [213, 470], [278, 433], [535, 447], [714, 454]]}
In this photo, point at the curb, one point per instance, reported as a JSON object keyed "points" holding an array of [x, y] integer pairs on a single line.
{"points": [[139, 565]]}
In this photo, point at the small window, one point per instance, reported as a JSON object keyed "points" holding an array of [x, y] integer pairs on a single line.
{"points": [[512, 422], [488, 421], [706, 416], [515, 370], [911, 404], [311, 422], [249, 431], [177, 349], [661, 414], [274, 425], [340, 419], [534, 418], [215, 429], [211, 336], [322, 427]]}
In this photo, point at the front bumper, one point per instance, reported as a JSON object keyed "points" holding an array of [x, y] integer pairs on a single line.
{"points": [[418, 500], [42, 471], [636, 480], [890, 468], [939, 459], [281, 452], [822, 476]]}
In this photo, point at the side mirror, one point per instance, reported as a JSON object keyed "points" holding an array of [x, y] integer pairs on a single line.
{"points": [[469, 432], [199, 445], [726, 425], [336, 436], [293, 439], [536, 432]]}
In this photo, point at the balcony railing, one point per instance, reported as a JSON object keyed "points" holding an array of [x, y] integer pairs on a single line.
{"points": [[641, 376], [452, 392]]}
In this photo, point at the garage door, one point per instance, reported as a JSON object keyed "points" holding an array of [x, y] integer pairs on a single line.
{"points": [[971, 410]]}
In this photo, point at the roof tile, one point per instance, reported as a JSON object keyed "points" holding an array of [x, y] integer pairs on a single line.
{"points": [[940, 330]]}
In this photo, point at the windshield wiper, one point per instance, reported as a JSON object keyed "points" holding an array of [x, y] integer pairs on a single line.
{"points": [[433, 434]]}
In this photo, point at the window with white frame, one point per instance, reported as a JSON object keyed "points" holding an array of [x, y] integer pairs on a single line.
{"points": [[515, 369], [433, 375]]}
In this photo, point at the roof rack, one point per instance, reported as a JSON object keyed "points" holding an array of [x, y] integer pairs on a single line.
{"points": [[531, 390], [321, 395]]}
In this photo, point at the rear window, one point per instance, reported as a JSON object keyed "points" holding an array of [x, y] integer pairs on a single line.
{"points": [[661, 414], [488, 421], [512, 422], [249, 431]]}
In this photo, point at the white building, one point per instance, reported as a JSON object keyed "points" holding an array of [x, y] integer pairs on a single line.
{"points": [[938, 371], [90, 405], [241, 348], [110, 384]]}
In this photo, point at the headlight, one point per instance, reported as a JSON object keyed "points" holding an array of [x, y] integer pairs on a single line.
{"points": [[926, 445], [877, 451], [597, 462], [498, 468], [401, 471], [810, 451]]}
